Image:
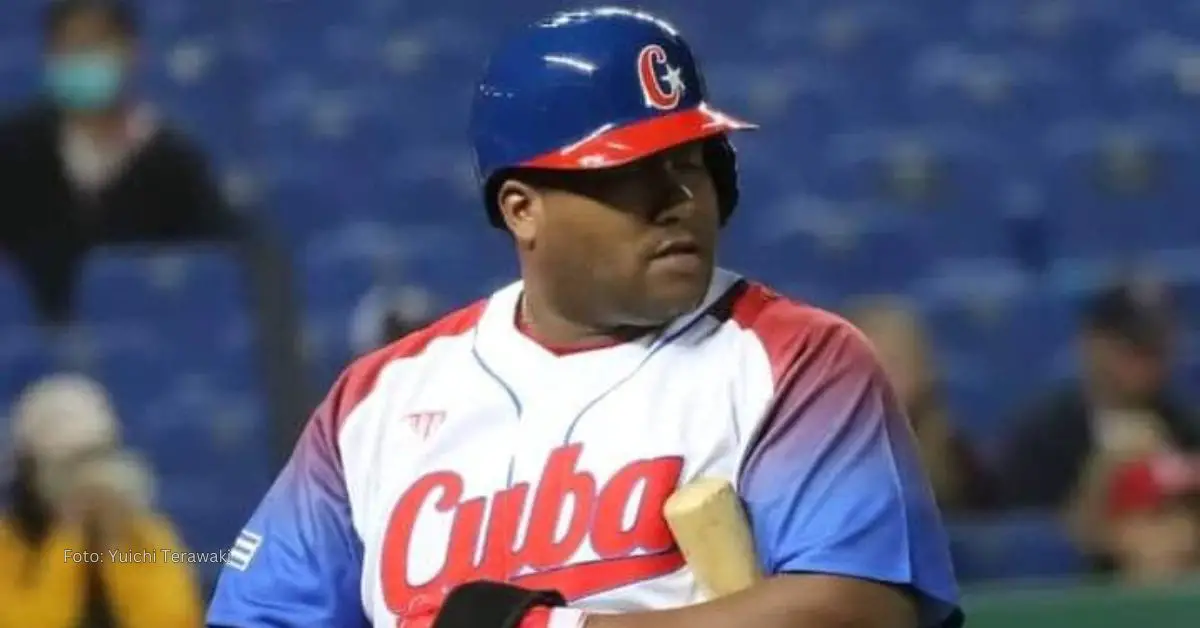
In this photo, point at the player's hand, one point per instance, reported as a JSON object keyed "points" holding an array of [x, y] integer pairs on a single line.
{"points": [[488, 604]]}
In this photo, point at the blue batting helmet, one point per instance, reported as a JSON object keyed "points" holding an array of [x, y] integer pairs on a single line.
{"points": [[593, 89]]}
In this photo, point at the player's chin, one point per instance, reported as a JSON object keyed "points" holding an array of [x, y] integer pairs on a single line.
{"points": [[677, 289]]}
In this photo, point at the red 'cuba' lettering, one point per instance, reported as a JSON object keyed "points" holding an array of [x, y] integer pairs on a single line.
{"points": [[649, 531], [596, 515]]}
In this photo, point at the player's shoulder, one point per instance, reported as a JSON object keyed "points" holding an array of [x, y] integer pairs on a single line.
{"points": [[791, 329], [360, 377], [778, 318], [415, 343]]}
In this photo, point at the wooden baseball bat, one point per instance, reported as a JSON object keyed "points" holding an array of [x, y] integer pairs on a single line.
{"points": [[713, 534]]}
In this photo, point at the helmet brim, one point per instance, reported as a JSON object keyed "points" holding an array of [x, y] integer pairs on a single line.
{"points": [[611, 146]]}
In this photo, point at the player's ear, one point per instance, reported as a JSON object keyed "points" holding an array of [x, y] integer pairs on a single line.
{"points": [[520, 206]]}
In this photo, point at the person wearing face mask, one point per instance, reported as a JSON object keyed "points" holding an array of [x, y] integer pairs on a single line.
{"points": [[89, 163], [80, 545]]}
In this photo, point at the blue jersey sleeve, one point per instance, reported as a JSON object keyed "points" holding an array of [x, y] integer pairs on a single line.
{"points": [[298, 562], [833, 484]]}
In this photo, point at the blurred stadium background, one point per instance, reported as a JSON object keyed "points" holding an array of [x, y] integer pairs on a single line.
{"points": [[994, 159]]}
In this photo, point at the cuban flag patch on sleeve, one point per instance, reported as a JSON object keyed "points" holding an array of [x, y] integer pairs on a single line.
{"points": [[243, 550]]}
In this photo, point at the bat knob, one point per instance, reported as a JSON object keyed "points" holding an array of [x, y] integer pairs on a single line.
{"points": [[710, 527]]}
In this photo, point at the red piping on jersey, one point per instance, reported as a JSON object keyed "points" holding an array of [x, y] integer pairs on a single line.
{"points": [[792, 334], [564, 349], [359, 378], [785, 328], [805, 346]]}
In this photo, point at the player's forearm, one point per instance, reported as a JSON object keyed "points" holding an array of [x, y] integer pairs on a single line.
{"points": [[781, 602]]}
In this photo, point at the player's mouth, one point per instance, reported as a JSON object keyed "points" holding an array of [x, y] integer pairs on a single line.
{"points": [[682, 254], [681, 246]]}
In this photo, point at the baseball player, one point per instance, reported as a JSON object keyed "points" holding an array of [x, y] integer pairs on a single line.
{"points": [[506, 467]]}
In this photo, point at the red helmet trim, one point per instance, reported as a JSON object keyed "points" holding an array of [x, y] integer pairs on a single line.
{"points": [[610, 145]]}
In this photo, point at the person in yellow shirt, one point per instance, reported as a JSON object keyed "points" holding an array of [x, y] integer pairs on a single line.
{"points": [[80, 546]]}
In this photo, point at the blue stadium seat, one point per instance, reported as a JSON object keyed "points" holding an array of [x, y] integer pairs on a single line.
{"points": [[1012, 332], [195, 76], [959, 182], [192, 299], [1187, 374], [16, 310], [868, 41], [210, 450], [130, 359], [1021, 546], [168, 331], [1186, 291], [1156, 72], [26, 354], [339, 267], [1083, 34], [1095, 221], [429, 186], [963, 159], [771, 95], [190, 302], [19, 51], [210, 454], [18, 62], [1009, 92], [209, 513], [189, 425], [306, 201], [810, 239], [337, 270], [977, 412], [1183, 15], [189, 287]]}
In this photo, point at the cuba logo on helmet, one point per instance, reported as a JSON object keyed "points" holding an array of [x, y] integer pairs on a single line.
{"points": [[650, 60]]}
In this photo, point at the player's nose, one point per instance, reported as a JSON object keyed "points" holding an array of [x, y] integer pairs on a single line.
{"points": [[674, 199]]}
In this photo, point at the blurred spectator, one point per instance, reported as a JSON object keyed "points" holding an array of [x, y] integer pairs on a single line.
{"points": [[1066, 445], [1153, 528], [75, 490], [388, 314], [90, 163], [960, 481]]}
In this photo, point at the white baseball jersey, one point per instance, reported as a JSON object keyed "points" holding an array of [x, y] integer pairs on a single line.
{"points": [[468, 450]]}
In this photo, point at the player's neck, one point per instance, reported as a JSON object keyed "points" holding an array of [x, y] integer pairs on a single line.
{"points": [[550, 327]]}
